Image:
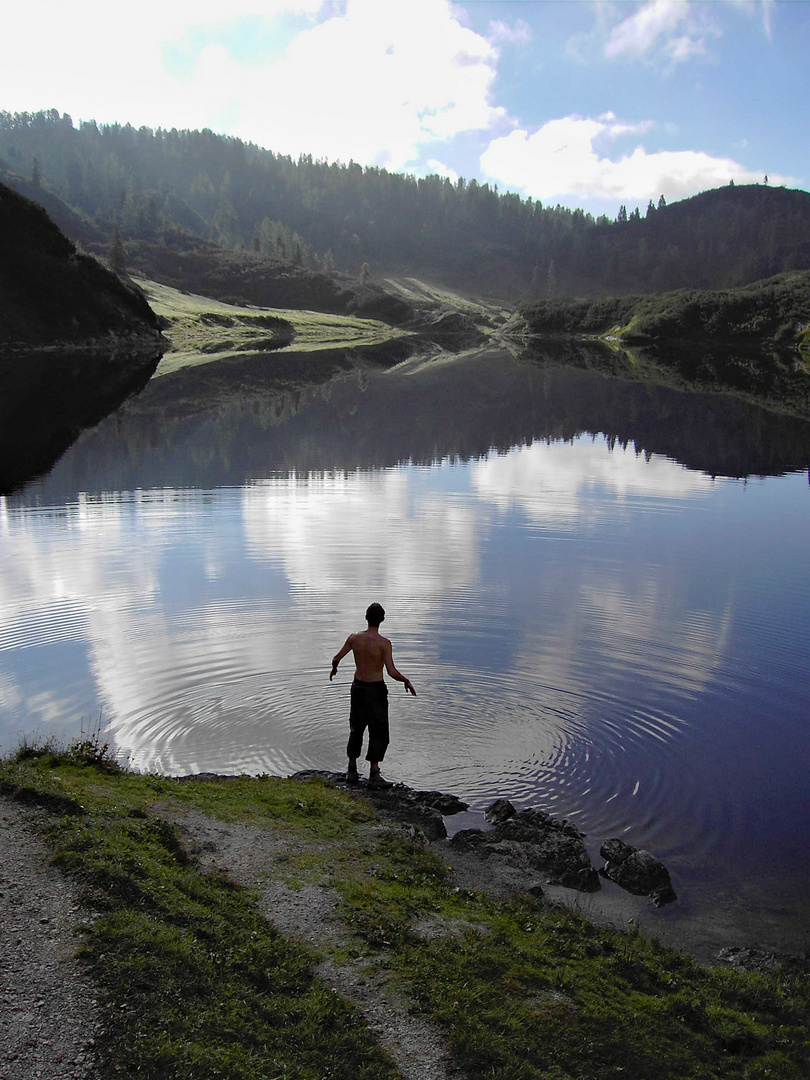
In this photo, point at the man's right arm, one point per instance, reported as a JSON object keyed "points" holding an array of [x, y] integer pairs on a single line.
{"points": [[347, 648]]}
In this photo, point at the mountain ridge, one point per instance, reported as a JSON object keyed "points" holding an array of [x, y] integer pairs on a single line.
{"points": [[368, 222]]}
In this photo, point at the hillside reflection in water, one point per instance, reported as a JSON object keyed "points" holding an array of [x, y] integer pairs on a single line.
{"points": [[595, 630]]}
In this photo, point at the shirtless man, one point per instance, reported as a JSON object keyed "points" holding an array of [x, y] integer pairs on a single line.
{"points": [[369, 695]]}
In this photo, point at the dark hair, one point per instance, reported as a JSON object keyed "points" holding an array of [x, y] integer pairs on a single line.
{"points": [[375, 614]]}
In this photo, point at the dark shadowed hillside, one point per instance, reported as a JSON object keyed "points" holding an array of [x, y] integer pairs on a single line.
{"points": [[74, 340], [52, 294]]}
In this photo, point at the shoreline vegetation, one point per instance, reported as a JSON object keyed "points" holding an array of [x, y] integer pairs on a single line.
{"points": [[772, 314], [199, 977]]}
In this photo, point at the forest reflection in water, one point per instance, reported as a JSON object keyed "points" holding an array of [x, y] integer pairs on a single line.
{"points": [[591, 626], [221, 424]]}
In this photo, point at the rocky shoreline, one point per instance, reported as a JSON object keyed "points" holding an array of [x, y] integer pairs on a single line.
{"points": [[534, 853], [529, 840]]}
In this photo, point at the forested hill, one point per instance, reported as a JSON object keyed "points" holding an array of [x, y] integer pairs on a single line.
{"points": [[178, 187], [775, 311], [54, 295]]}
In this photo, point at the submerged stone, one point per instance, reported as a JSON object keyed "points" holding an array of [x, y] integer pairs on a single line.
{"points": [[637, 871]]}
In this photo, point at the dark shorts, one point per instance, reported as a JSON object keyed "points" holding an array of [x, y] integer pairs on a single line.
{"points": [[369, 709]]}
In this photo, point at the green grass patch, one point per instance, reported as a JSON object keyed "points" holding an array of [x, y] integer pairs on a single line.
{"points": [[197, 984], [202, 330]]}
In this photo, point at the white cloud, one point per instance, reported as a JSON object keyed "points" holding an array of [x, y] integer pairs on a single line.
{"points": [[673, 29], [354, 528], [763, 8], [566, 157], [440, 169], [549, 482], [641, 31], [682, 48], [368, 80], [520, 33], [393, 78]]}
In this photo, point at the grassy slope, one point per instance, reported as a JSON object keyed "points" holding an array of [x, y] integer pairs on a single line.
{"points": [[201, 330], [196, 984]]}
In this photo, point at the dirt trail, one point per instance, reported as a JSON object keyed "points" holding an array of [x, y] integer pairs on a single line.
{"points": [[48, 1013], [255, 857]]}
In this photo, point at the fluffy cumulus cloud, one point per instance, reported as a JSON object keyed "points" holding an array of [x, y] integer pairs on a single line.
{"points": [[374, 84], [405, 86], [571, 157], [362, 79]]}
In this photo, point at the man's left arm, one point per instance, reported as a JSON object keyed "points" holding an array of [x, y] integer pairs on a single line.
{"points": [[388, 658]]}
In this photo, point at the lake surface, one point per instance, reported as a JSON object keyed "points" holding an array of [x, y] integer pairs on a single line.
{"points": [[592, 626]]}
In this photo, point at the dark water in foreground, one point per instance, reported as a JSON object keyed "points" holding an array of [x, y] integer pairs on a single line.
{"points": [[603, 606]]}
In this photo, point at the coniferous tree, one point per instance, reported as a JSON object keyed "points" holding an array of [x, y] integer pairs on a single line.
{"points": [[116, 258]]}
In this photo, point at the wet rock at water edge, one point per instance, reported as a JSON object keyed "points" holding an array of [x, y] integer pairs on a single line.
{"points": [[426, 809], [583, 880], [501, 810], [533, 840], [420, 808], [637, 871]]}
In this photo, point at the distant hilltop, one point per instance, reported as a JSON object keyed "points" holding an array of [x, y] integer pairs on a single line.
{"points": [[54, 296]]}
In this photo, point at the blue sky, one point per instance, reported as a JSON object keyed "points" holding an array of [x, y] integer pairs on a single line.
{"points": [[590, 103]]}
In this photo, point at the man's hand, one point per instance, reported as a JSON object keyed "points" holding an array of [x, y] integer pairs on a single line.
{"points": [[333, 672], [409, 687]]}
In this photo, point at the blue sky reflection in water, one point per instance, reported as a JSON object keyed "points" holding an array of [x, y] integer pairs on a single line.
{"points": [[602, 633]]}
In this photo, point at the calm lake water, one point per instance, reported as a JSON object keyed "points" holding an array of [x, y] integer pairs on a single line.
{"points": [[592, 626]]}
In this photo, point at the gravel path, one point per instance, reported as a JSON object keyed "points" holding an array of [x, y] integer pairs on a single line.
{"points": [[255, 858], [48, 1013]]}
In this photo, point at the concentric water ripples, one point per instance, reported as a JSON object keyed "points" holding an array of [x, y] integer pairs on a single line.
{"points": [[630, 661], [588, 757]]}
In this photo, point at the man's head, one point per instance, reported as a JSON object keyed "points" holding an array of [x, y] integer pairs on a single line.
{"points": [[375, 614]]}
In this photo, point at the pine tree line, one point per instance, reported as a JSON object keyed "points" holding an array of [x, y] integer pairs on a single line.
{"points": [[153, 183]]}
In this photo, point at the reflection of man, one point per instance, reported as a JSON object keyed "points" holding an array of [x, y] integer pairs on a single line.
{"points": [[369, 695]]}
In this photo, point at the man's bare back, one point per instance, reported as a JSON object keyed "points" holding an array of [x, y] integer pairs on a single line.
{"points": [[369, 694], [372, 652]]}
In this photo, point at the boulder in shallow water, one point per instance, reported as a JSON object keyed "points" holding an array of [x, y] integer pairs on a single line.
{"points": [[534, 840], [637, 871]]}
